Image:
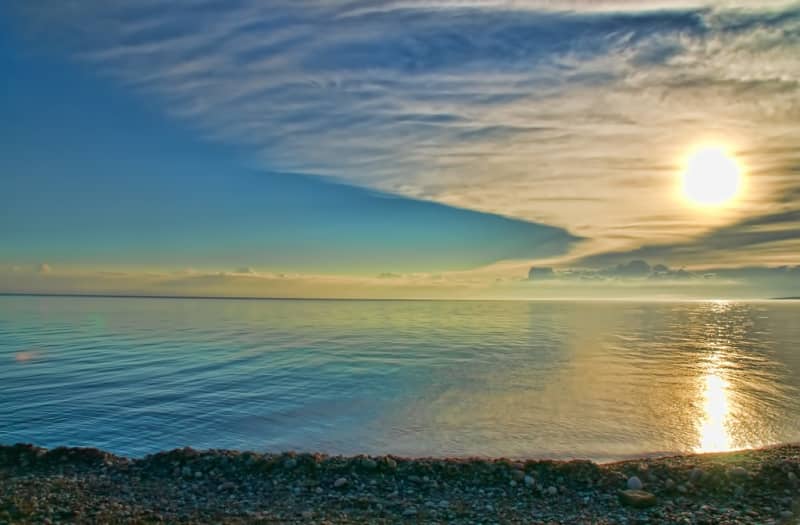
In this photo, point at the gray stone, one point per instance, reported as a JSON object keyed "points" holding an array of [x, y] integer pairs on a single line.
{"points": [[634, 483], [227, 485], [529, 481], [410, 511], [340, 483]]}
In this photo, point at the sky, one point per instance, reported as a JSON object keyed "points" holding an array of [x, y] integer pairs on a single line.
{"points": [[398, 149]]}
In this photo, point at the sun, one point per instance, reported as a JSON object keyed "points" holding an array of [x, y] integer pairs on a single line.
{"points": [[712, 177]]}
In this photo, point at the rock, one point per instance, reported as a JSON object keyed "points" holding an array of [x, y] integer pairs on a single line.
{"points": [[634, 483], [391, 463], [637, 498], [696, 474], [369, 464], [517, 475], [340, 483], [786, 515], [551, 491], [669, 484], [529, 481], [227, 485], [410, 511], [307, 514], [198, 475], [738, 473], [682, 489], [289, 463]]}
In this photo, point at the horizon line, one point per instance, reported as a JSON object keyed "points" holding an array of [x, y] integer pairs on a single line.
{"points": [[375, 299]]}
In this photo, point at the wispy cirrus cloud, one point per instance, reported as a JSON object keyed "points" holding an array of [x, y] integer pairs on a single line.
{"points": [[570, 113]]}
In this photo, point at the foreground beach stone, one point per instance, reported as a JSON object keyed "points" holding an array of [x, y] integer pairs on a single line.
{"points": [[80, 485], [637, 498]]}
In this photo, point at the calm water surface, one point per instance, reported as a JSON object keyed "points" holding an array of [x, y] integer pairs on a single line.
{"points": [[600, 380]]}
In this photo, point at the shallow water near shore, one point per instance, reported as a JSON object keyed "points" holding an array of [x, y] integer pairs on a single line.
{"points": [[601, 379]]}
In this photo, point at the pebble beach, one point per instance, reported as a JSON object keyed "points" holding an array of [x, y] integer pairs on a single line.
{"points": [[86, 485]]}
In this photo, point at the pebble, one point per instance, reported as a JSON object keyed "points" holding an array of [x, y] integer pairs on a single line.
{"points": [[552, 491], [339, 483], [634, 483], [529, 481], [787, 515], [696, 474], [637, 498], [738, 473], [369, 464], [669, 484]]}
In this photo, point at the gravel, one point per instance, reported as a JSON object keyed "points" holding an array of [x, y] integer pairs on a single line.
{"points": [[84, 485]]}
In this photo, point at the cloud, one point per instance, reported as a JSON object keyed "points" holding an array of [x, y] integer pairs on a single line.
{"points": [[503, 281], [546, 111], [638, 278], [771, 238]]}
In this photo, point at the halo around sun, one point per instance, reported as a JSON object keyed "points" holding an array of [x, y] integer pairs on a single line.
{"points": [[711, 177]]}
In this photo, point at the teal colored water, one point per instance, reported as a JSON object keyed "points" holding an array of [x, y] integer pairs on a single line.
{"points": [[600, 380]]}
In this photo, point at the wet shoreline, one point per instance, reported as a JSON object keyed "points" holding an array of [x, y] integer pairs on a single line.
{"points": [[79, 485]]}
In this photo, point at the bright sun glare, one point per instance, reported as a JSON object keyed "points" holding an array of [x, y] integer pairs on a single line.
{"points": [[712, 177]]}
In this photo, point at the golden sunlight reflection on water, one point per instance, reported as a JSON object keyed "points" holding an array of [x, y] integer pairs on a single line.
{"points": [[713, 428], [716, 423]]}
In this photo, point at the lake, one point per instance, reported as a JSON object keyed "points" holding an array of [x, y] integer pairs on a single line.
{"points": [[597, 379]]}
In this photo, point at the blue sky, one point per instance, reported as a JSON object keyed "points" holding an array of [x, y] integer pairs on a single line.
{"points": [[418, 143], [94, 177]]}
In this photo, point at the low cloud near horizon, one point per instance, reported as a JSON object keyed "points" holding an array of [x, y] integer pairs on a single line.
{"points": [[636, 279]]}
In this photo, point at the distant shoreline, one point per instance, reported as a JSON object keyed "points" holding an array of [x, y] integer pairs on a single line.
{"points": [[224, 486], [377, 299]]}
